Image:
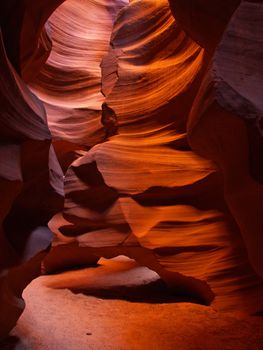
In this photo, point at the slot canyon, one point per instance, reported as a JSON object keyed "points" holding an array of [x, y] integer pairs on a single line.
{"points": [[131, 174]]}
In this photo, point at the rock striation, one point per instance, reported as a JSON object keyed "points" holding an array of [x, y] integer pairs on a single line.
{"points": [[147, 117]]}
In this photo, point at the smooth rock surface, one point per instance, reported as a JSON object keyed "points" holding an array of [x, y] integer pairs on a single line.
{"points": [[157, 156], [57, 318]]}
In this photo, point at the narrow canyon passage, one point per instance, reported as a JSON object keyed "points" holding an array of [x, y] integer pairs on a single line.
{"points": [[116, 139]]}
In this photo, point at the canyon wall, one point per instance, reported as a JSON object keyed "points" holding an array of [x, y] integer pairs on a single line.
{"points": [[105, 103]]}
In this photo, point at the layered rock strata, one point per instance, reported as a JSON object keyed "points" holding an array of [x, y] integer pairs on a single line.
{"points": [[125, 89]]}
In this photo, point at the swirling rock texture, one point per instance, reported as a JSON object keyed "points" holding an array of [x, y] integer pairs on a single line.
{"points": [[229, 99], [124, 88], [225, 110], [31, 178]]}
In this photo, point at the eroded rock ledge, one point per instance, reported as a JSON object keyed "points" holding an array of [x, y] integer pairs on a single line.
{"points": [[121, 95]]}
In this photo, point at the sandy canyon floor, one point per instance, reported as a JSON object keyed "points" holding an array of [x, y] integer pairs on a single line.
{"points": [[121, 306]]}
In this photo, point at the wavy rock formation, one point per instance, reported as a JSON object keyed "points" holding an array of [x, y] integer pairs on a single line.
{"points": [[228, 109], [143, 186], [125, 89], [69, 83], [31, 178], [26, 39], [239, 79], [204, 20]]}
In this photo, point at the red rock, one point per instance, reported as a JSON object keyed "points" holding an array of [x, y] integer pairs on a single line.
{"points": [[147, 117]]}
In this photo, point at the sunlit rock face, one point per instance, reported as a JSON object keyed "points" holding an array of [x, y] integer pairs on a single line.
{"points": [[69, 83], [119, 97]]}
